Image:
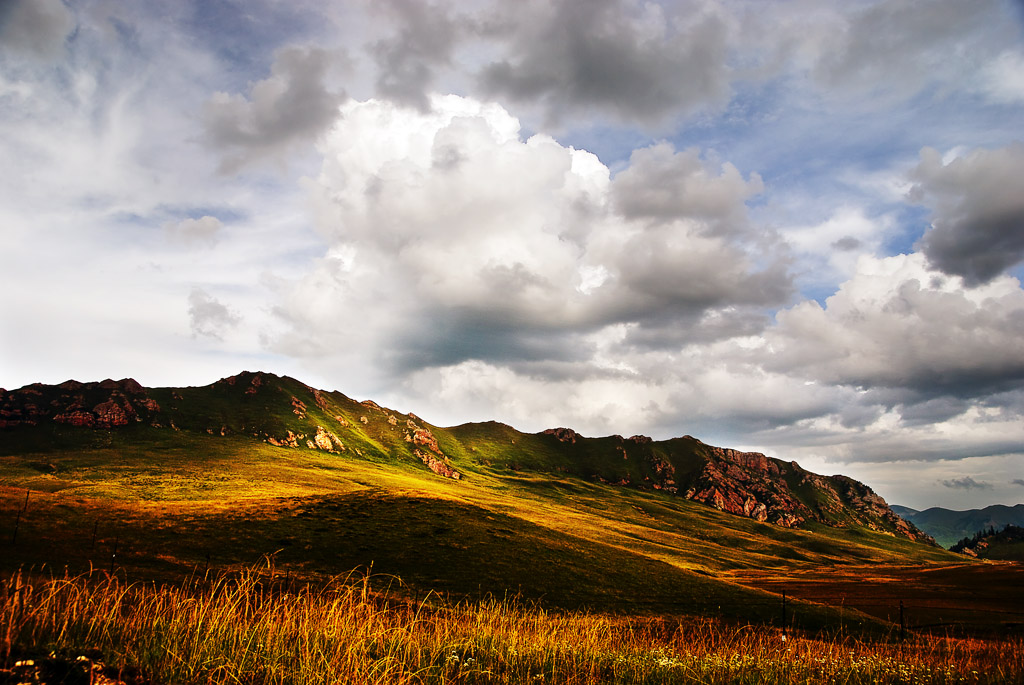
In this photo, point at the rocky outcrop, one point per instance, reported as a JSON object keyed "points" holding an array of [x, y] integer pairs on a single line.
{"points": [[438, 466], [110, 414], [318, 397], [424, 438], [431, 454], [292, 440], [738, 483], [327, 441], [106, 404], [563, 434]]}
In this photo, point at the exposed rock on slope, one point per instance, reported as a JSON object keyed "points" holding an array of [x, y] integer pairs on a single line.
{"points": [[106, 404]]}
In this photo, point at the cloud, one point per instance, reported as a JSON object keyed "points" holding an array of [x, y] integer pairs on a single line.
{"points": [[208, 317], [966, 483], [977, 202], [897, 45], [621, 58], [203, 230], [661, 184], [408, 60], [456, 240], [293, 105], [1003, 79], [898, 324], [35, 28]]}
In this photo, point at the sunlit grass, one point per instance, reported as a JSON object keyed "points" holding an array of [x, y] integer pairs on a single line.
{"points": [[253, 628]]}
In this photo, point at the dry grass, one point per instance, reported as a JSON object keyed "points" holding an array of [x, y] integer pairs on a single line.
{"points": [[252, 628]]}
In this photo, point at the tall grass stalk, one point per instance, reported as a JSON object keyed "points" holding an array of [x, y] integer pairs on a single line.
{"points": [[250, 627]]}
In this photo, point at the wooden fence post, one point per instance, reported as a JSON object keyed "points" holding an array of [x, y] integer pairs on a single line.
{"points": [[783, 614], [903, 624]]}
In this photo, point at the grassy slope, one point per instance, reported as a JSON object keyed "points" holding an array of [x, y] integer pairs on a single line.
{"points": [[172, 500], [570, 542]]}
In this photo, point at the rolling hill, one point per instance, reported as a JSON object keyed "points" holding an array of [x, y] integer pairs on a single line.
{"points": [[163, 481]]}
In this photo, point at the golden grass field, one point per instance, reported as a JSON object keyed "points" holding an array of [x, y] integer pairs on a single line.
{"points": [[255, 627]]}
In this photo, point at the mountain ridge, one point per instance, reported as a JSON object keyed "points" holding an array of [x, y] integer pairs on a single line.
{"points": [[289, 414], [948, 526]]}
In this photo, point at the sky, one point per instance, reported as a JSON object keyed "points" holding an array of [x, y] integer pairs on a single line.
{"points": [[793, 226]]}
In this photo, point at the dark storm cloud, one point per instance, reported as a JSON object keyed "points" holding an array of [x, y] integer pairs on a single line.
{"points": [[453, 336], [934, 410], [702, 327], [35, 28], [616, 56], [293, 105], [966, 483], [408, 60], [977, 211]]}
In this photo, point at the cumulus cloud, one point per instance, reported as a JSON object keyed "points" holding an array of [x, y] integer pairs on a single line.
{"points": [[899, 324], [456, 240], [977, 202], [209, 317], [35, 28], [966, 483], [662, 184], [293, 105], [203, 230], [623, 58]]}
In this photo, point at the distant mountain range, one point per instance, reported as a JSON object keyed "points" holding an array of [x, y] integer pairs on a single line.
{"points": [[949, 527], [288, 414]]}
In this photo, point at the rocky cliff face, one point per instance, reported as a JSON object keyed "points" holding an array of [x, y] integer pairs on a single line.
{"points": [[756, 486], [107, 404]]}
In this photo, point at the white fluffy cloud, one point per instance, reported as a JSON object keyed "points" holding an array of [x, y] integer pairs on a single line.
{"points": [[899, 324], [455, 240]]}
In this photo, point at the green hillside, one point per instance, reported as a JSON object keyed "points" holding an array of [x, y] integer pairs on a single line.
{"points": [[258, 465]]}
